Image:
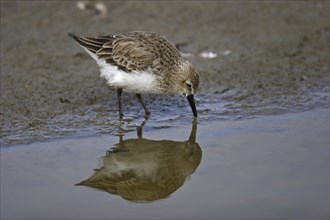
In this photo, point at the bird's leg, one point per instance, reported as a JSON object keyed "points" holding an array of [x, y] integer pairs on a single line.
{"points": [[147, 113], [119, 91]]}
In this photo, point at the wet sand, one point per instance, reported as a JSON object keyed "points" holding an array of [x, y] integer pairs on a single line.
{"points": [[273, 58], [274, 167]]}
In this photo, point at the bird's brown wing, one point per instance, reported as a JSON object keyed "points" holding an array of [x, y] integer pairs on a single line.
{"points": [[128, 52], [93, 44]]}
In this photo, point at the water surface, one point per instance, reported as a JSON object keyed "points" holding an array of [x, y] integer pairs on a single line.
{"points": [[274, 167]]}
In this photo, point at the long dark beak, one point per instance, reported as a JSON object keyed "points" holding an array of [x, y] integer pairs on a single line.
{"points": [[192, 104]]}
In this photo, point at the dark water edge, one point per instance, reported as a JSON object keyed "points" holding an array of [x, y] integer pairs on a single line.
{"points": [[272, 167], [273, 58]]}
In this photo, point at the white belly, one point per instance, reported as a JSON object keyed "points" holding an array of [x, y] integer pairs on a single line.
{"points": [[132, 82]]}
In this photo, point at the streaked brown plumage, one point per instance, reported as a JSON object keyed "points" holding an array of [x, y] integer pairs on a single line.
{"points": [[142, 62]]}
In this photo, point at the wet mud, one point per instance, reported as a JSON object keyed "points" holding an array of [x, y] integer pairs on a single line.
{"points": [[272, 58]]}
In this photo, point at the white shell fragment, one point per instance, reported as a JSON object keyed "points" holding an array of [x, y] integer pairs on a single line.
{"points": [[99, 9], [208, 55], [102, 9], [82, 5]]}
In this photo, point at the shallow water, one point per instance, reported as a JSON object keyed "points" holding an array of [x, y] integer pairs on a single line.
{"points": [[273, 167]]}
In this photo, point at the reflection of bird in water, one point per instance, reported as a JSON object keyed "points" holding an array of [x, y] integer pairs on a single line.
{"points": [[146, 170]]}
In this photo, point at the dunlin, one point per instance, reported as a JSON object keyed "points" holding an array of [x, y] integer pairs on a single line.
{"points": [[142, 62]]}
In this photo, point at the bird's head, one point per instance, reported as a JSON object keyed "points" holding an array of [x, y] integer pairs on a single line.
{"points": [[188, 83]]}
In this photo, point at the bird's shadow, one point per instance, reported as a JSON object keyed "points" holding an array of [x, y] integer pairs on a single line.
{"points": [[145, 170]]}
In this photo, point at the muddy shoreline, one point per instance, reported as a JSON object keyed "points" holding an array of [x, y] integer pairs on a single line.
{"points": [[278, 63]]}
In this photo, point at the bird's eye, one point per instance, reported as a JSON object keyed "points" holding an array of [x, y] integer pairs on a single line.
{"points": [[189, 85]]}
